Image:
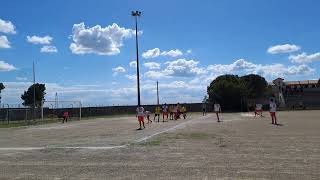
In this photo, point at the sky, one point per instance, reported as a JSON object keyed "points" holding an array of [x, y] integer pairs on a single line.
{"points": [[85, 49]]}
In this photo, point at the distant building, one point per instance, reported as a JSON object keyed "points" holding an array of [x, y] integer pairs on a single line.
{"points": [[294, 94]]}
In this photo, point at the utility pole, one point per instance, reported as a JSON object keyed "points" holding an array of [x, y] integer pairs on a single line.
{"points": [[158, 93], [34, 91], [137, 14]]}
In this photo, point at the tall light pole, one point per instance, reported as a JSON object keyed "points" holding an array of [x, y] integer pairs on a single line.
{"points": [[137, 14], [158, 93], [34, 91]]}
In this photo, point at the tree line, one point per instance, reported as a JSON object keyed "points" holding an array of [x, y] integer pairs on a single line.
{"points": [[238, 93], [35, 90]]}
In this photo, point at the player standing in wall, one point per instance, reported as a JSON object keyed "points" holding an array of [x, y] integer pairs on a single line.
{"points": [[157, 112], [171, 111], [165, 109]]}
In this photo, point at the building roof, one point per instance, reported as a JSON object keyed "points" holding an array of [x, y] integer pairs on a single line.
{"points": [[305, 82]]}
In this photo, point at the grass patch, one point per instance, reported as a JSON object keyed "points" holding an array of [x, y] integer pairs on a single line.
{"points": [[191, 136], [152, 142]]}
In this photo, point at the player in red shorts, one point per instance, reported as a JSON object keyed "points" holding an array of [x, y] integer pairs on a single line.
{"points": [[65, 117], [273, 110], [140, 114], [258, 110], [217, 110], [165, 110]]}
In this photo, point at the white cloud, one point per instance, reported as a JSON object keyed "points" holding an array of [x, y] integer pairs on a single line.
{"points": [[152, 65], [133, 64], [153, 53], [39, 40], [242, 66], [172, 53], [155, 74], [284, 48], [4, 43], [183, 68], [5, 67], [21, 78], [118, 70], [7, 27], [98, 40], [132, 77], [189, 51], [305, 58], [299, 70], [49, 49], [177, 68]]}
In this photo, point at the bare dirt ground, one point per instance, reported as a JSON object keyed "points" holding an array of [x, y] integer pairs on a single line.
{"points": [[240, 147]]}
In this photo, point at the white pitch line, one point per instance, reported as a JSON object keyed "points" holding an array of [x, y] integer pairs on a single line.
{"points": [[93, 147]]}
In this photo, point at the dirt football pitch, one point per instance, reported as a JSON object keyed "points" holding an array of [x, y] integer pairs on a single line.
{"points": [[240, 147]]}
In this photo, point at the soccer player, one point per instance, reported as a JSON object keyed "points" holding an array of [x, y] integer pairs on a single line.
{"points": [[140, 114], [65, 117], [157, 112], [178, 110], [165, 109], [147, 114], [217, 110], [184, 112], [171, 111], [175, 112], [258, 110], [204, 109], [273, 110]]}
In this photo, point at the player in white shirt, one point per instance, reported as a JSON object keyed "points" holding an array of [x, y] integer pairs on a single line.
{"points": [[165, 110], [258, 110], [217, 110], [147, 114], [273, 110], [140, 114]]}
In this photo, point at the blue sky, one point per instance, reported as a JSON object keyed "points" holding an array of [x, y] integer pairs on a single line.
{"points": [[87, 46]]}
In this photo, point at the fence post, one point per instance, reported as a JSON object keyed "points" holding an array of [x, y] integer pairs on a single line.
{"points": [[80, 110], [42, 110], [8, 114]]}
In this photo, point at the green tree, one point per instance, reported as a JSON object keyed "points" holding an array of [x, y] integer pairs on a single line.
{"points": [[27, 96], [2, 87], [256, 86], [229, 91], [205, 99]]}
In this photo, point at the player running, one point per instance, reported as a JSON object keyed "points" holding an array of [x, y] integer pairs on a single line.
{"points": [[165, 109], [147, 114], [140, 114], [217, 110], [273, 110], [157, 112], [258, 110]]}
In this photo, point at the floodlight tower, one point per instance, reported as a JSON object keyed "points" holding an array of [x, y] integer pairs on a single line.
{"points": [[158, 93], [34, 90], [137, 14]]}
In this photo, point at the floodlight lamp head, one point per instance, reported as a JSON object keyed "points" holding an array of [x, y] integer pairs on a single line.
{"points": [[135, 13]]}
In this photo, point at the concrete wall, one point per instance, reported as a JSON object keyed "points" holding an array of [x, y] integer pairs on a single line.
{"points": [[20, 114]]}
